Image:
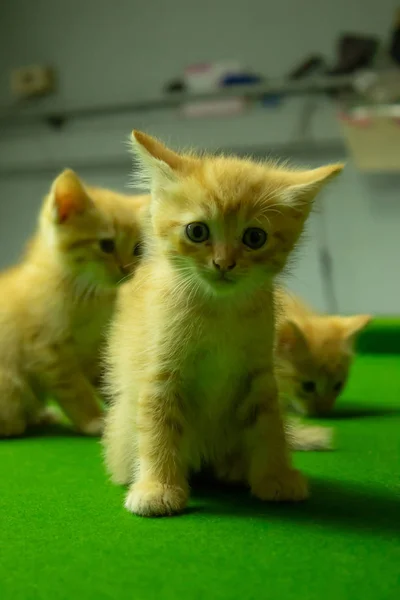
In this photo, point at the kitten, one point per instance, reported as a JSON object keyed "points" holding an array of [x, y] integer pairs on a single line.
{"points": [[55, 303], [314, 354], [190, 357]]}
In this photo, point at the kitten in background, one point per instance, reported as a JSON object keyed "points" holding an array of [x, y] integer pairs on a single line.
{"points": [[55, 304], [190, 352], [314, 354]]}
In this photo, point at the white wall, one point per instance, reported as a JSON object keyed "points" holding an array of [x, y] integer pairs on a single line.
{"points": [[107, 53]]}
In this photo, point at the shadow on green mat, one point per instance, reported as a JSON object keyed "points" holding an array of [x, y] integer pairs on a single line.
{"points": [[356, 410], [343, 505]]}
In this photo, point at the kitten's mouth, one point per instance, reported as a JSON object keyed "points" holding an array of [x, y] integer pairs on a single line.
{"points": [[223, 280]]}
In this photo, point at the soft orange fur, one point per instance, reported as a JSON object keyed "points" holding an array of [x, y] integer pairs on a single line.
{"points": [[190, 359], [55, 304], [314, 351]]}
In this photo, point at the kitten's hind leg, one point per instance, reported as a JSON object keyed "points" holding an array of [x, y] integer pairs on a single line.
{"points": [[306, 438], [18, 405], [118, 442]]}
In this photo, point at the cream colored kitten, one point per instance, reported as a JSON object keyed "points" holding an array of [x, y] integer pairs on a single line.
{"points": [[190, 360], [55, 304], [314, 354]]}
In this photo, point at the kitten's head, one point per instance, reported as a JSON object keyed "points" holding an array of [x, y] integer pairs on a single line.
{"points": [[317, 354], [95, 234], [226, 223]]}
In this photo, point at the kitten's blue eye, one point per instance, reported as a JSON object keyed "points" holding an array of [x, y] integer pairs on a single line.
{"points": [[254, 238], [138, 250], [338, 386], [308, 386], [107, 246], [197, 232]]}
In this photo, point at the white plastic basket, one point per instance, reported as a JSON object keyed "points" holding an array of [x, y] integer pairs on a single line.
{"points": [[372, 136]]}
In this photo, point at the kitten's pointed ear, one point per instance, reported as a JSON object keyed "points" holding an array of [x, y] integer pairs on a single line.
{"points": [[159, 164], [305, 185], [68, 196], [291, 338], [352, 327]]}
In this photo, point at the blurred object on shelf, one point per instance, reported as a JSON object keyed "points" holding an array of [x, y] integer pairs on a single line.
{"points": [[205, 78], [394, 46], [311, 66], [214, 108], [354, 52], [378, 87]]}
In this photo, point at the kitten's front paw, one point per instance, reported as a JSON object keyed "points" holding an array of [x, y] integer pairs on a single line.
{"points": [[154, 499], [94, 427], [306, 439], [289, 485]]}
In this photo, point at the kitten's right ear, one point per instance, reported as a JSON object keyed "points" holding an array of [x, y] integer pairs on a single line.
{"points": [[159, 165], [68, 196], [291, 338]]}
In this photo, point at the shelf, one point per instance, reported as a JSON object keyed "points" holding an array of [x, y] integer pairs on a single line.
{"points": [[58, 117]]}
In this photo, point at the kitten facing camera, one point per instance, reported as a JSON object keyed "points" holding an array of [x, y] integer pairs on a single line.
{"points": [[314, 355], [190, 366], [56, 303]]}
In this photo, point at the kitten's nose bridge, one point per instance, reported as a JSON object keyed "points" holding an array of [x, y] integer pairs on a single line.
{"points": [[224, 258], [124, 269]]}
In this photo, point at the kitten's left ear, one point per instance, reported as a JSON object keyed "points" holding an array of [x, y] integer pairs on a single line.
{"points": [[291, 338], [352, 326], [159, 164], [305, 185], [68, 196]]}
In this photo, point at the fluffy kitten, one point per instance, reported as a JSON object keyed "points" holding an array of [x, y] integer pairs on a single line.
{"points": [[314, 354], [190, 360], [55, 303]]}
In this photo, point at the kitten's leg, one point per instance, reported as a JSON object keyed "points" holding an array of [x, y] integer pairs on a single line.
{"points": [[118, 443], [74, 393], [271, 475], [80, 403], [18, 405], [161, 486], [307, 437]]}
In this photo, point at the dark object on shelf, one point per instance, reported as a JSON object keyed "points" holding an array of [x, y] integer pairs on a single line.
{"points": [[56, 121], [248, 79], [310, 66], [177, 85], [354, 53], [240, 79], [394, 46]]}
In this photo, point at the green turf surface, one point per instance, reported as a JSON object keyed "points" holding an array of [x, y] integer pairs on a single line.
{"points": [[65, 535]]}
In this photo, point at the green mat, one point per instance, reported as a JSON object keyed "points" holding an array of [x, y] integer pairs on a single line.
{"points": [[65, 535]]}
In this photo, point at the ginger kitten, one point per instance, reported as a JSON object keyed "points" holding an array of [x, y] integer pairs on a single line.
{"points": [[314, 354], [190, 357], [55, 304]]}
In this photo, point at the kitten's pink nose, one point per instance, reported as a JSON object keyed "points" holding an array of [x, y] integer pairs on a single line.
{"points": [[224, 264]]}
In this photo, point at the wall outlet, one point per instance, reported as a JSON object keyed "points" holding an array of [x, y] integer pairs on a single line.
{"points": [[35, 80]]}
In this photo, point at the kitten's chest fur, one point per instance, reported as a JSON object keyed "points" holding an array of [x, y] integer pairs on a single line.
{"points": [[217, 363]]}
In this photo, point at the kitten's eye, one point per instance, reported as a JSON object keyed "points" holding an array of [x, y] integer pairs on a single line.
{"points": [[138, 250], [107, 246], [197, 232], [338, 386], [254, 238], [308, 386]]}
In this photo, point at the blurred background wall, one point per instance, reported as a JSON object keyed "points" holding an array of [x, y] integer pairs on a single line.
{"points": [[110, 52]]}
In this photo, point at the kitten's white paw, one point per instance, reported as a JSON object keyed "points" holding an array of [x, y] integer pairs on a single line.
{"points": [[287, 486], [306, 438], [154, 499], [94, 427]]}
